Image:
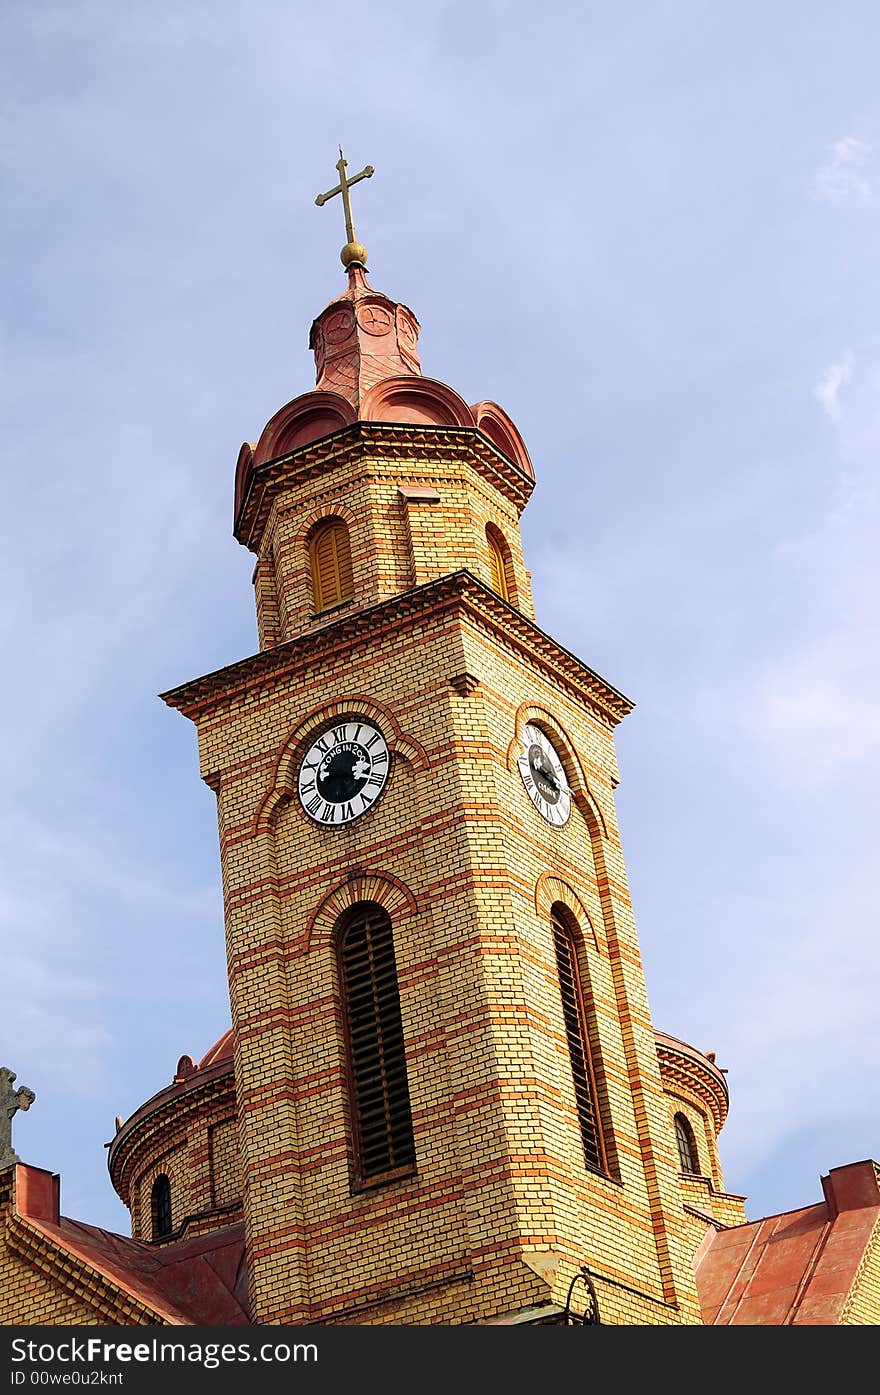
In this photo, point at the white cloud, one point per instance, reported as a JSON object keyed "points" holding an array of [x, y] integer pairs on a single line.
{"points": [[844, 176], [827, 390]]}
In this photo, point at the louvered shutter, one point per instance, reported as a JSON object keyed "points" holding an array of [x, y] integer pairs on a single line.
{"points": [[332, 580], [496, 565], [374, 1031], [574, 1015]]}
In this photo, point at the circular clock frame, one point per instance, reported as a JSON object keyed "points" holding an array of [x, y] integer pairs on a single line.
{"points": [[542, 774], [343, 772]]}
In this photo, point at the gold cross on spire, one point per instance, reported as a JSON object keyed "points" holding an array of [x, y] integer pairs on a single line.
{"points": [[353, 251]]}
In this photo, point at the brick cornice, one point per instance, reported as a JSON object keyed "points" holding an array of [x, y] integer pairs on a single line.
{"points": [[167, 1109], [380, 441], [683, 1065], [459, 592], [110, 1300]]}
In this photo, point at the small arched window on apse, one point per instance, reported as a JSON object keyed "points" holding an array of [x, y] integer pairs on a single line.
{"points": [[498, 566], [688, 1159], [330, 564], [576, 1015], [160, 1207], [379, 1105]]}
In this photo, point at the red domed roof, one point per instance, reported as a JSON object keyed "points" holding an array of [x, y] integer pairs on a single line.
{"points": [[362, 338], [219, 1052], [211, 1078]]}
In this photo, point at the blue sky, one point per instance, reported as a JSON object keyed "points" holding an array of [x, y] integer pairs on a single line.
{"points": [[649, 231]]}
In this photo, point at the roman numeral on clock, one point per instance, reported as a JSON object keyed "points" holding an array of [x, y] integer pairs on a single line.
{"points": [[333, 784]]}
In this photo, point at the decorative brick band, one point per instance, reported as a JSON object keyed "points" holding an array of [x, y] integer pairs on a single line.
{"points": [[460, 592], [550, 889], [283, 777], [580, 786], [384, 441], [386, 890]]}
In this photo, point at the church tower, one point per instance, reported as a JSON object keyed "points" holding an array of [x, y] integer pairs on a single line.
{"points": [[448, 1092]]}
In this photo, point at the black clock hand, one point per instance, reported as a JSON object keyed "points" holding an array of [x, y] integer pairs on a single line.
{"points": [[546, 771]]}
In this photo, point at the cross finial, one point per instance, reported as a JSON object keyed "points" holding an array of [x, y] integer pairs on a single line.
{"points": [[354, 252], [11, 1101]]}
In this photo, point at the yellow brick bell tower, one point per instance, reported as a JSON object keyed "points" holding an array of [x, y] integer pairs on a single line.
{"points": [[448, 1092]]}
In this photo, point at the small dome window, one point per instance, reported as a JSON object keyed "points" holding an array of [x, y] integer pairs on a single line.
{"points": [[688, 1160], [160, 1207]]}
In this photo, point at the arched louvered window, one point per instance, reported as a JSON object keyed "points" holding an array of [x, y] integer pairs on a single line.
{"points": [[330, 561], [379, 1091], [688, 1160], [497, 566], [160, 1207], [577, 1031]]}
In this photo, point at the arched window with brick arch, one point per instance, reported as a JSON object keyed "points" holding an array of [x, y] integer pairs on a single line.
{"points": [[160, 1207], [375, 1058], [580, 1037], [330, 564], [688, 1159], [499, 563]]}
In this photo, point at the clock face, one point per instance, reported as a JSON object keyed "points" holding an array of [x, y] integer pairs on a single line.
{"points": [[343, 772], [543, 776]]}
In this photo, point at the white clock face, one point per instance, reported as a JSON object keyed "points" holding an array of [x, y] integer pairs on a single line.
{"points": [[543, 776], [343, 772]]}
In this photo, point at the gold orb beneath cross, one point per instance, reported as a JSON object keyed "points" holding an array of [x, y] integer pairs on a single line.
{"points": [[353, 252]]}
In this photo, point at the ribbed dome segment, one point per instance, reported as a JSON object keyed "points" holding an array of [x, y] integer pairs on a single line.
{"points": [[362, 338], [219, 1052]]}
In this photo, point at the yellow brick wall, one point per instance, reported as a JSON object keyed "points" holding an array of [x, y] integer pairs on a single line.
{"points": [[225, 1164], [704, 1135], [501, 1182], [31, 1291], [699, 1194], [193, 1142], [172, 1162], [586, 855], [396, 542], [863, 1305], [28, 1298]]}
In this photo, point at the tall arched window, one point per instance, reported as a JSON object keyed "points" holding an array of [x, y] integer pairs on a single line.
{"points": [[577, 1031], [376, 1061], [330, 562], [160, 1207], [497, 565], [688, 1160]]}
